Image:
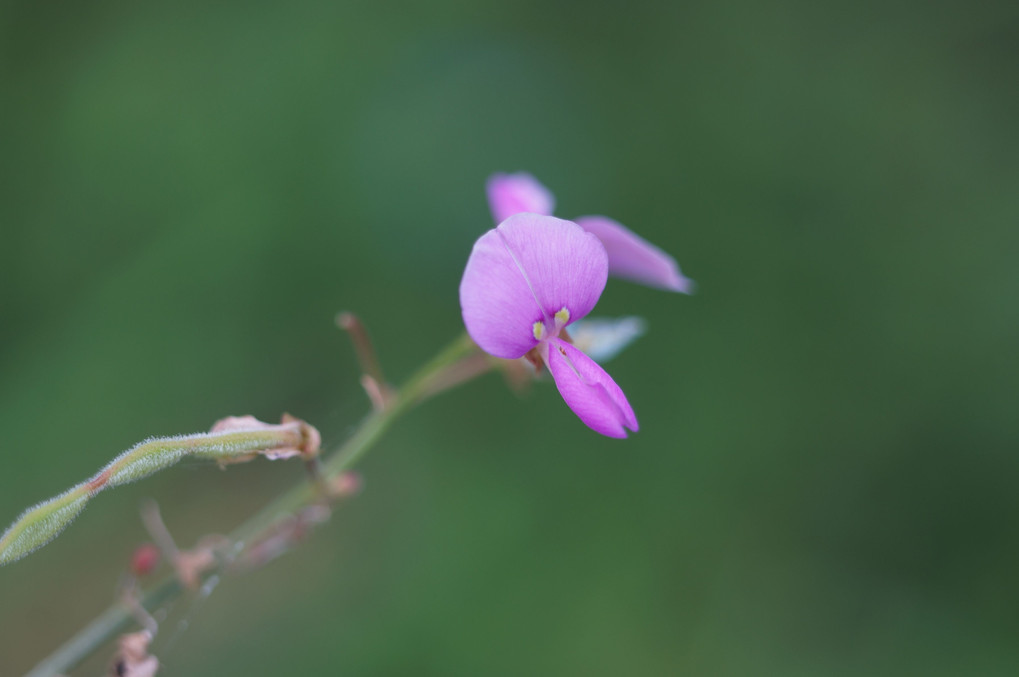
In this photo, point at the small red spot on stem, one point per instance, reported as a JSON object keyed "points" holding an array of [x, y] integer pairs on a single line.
{"points": [[145, 559]]}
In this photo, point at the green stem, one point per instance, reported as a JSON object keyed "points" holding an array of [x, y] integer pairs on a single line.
{"points": [[115, 619]]}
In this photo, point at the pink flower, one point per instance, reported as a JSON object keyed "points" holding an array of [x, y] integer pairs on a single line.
{"points": [[630, 256], [526, 280]]}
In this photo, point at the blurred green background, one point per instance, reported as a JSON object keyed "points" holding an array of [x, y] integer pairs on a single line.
{"points": [[825, 479]]}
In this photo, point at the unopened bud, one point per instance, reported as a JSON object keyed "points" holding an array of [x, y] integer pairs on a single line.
{"points": [[133, 658]]}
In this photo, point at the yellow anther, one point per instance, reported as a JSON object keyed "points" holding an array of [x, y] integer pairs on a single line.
{"points": [[563, 316], [539, 330]]}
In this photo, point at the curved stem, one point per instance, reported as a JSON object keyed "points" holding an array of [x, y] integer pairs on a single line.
{"points": [[427, 382]]}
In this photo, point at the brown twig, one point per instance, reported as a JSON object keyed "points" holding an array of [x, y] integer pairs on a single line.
{"points": [[372, 379]]}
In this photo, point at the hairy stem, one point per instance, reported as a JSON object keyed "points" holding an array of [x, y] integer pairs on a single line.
{"points": [[423, 385], [39, 524]]}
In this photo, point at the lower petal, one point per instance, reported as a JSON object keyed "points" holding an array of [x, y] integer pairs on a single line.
{"points": [[589, 391], [634, 258]]}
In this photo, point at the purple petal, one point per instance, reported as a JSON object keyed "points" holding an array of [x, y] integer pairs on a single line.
{"points": [[634, 258], [498, 307], [510, 194], [589, 391], [565, 267], [525, 271]]}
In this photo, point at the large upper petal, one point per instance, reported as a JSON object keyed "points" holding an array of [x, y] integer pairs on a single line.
{"points": [[510, 194], [525, 271], [565, 266], [589, 391], [634, 258]]}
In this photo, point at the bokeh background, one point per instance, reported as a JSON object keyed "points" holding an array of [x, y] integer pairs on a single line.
{"points": [[825, 482]]}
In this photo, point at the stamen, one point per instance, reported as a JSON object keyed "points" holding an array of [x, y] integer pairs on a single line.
{"points": [[539, 330], [562, 317]]}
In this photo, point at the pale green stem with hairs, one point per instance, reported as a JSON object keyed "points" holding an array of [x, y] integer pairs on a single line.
{"points": [[41, 523], [423, 385]]}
